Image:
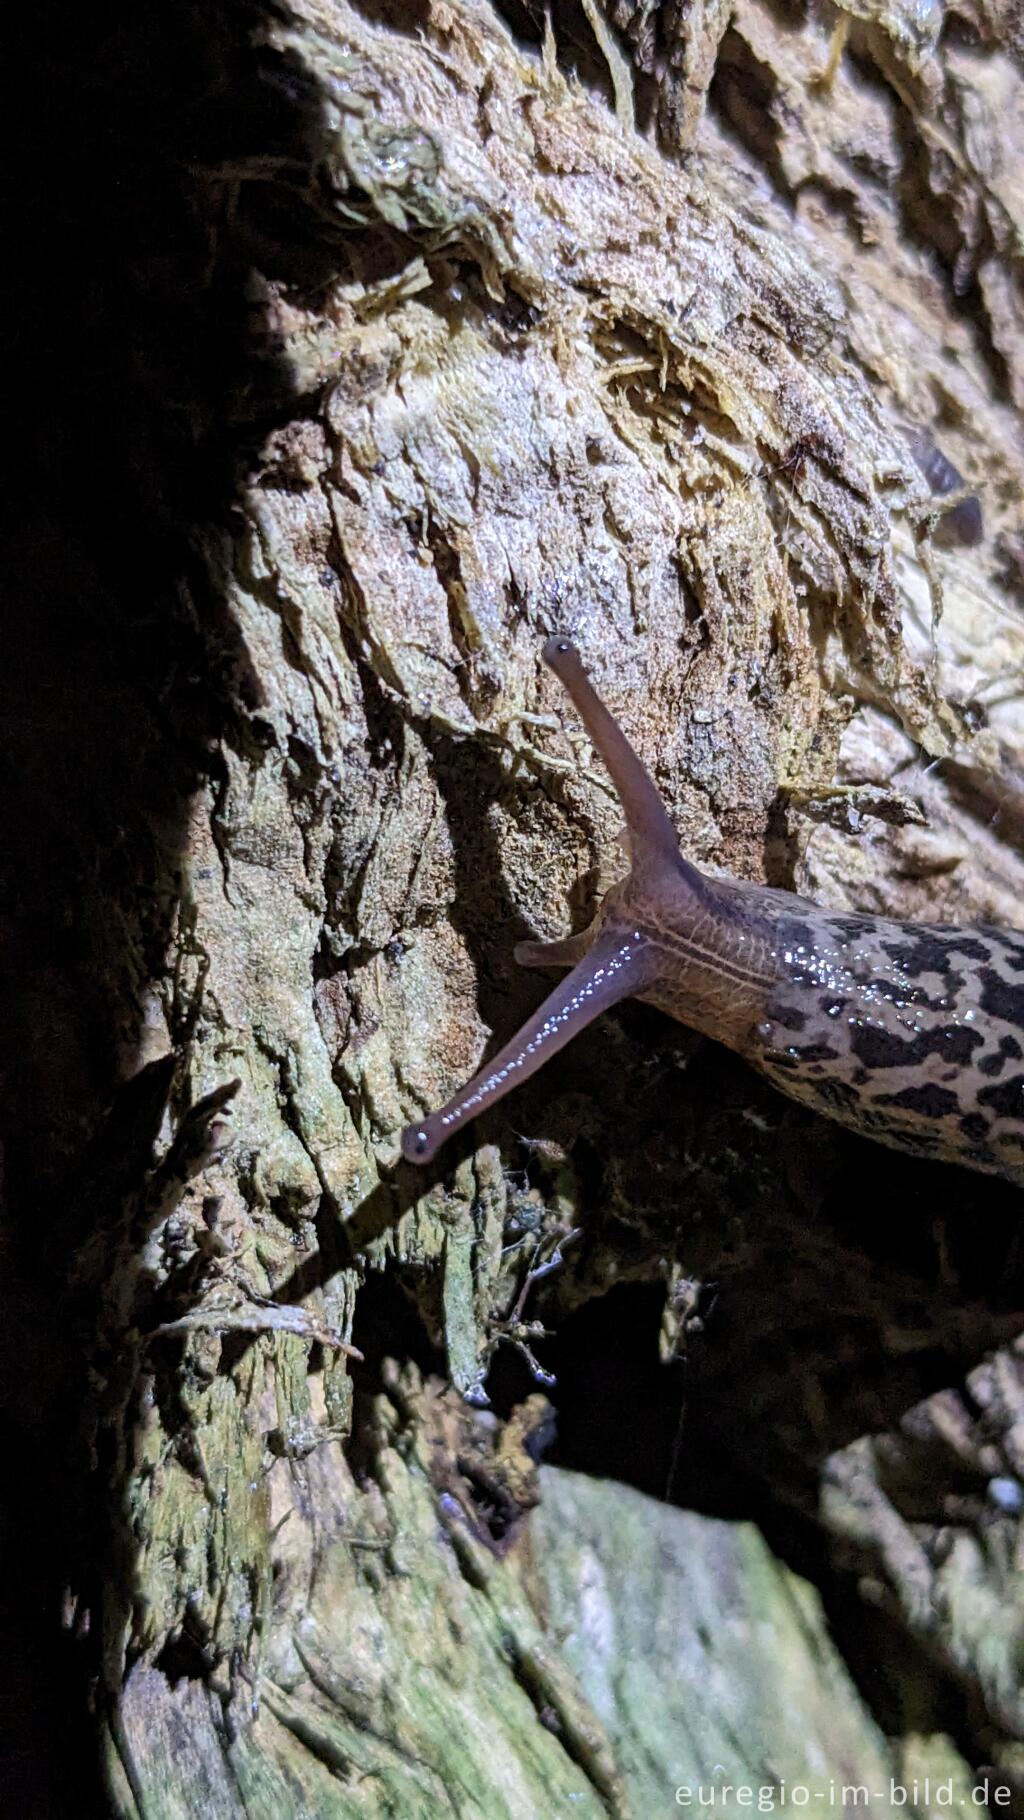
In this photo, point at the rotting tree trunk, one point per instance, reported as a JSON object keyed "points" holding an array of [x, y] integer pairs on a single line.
{"points": [[635, 329]]}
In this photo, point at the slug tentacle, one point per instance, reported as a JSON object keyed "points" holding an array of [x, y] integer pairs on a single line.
{"points": [[653, 841], [562, 953], [909, 1033], [617, 965]]}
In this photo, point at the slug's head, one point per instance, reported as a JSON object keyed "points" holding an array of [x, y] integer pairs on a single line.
{"points": [[416, 1144], [612, 960]]}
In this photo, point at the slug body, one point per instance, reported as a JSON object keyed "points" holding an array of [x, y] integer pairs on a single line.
{"points": [[909, 1033]]}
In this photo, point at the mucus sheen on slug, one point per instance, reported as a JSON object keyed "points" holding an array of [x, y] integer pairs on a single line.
{"points": [[909, 1033]]}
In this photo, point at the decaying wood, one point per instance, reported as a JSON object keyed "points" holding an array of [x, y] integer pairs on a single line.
{"points": [[626, 325], [621, 1651]]}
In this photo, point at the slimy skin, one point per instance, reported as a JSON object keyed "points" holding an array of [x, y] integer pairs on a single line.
{"points": [[909, 1033]]}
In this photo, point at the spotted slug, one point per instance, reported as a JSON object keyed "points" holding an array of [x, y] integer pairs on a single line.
{"points": [[908, 1032]]}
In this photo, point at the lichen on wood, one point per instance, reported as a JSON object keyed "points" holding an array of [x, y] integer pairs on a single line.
{"points": [[604, 1654]]}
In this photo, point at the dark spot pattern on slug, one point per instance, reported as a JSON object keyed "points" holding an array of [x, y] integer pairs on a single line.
{"points": [[1008, 941], [974, 1126], [879, 1049], [882, 990], [789, 1017], [931, 951], [1009, 1050], [800, 935], [817, 1052], [1006, 1100], [917, 1018], [928, 1101], [999, 998], [851, 928], [901, 1007]]}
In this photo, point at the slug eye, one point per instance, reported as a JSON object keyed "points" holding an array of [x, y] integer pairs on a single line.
{"points": [[416, 1144], [555, 648]]}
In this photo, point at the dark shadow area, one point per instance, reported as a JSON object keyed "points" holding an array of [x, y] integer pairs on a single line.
{"points": [[812, 1323], [680, 1430], [389, 1324], [139, 375], [577, 51], [473, 783]]}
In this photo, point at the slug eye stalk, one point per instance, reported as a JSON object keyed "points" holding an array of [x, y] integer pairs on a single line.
{"points": [[614, 969], [612, 961]]}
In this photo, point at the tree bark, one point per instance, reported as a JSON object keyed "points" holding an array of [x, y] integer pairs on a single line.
{"points": [[675, 329]]}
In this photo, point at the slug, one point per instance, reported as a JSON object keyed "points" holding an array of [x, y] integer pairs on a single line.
{"points": [[908, 1032]]}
